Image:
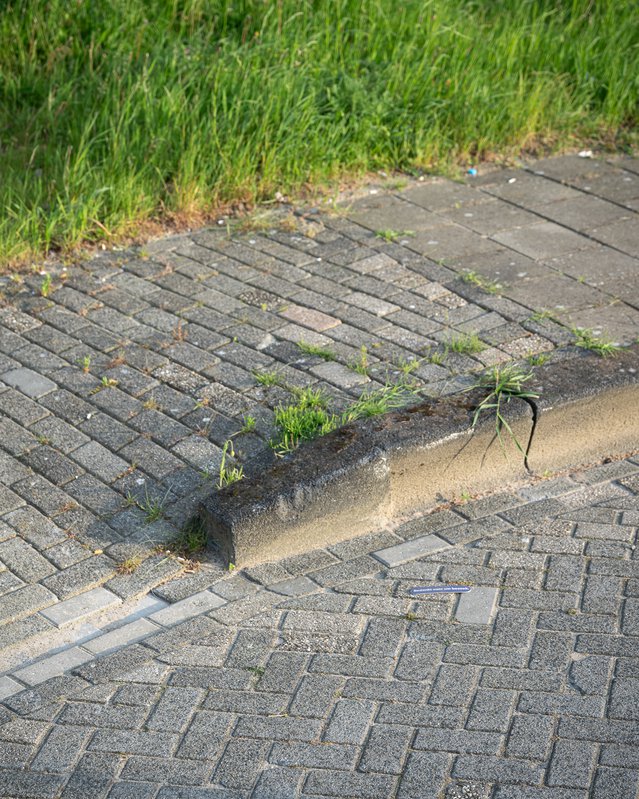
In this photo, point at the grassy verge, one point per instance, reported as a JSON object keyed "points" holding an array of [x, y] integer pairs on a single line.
{"points": [[112, 113]]}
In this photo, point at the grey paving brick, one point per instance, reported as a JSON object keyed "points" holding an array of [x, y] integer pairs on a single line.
{"points": [[283, 671], [537, 702], [527, 792], [613, 783], [24, 560], [308, 755], [362, 786], [498, 770], [81, 606], [349, 722], [158, 744], [175, 708], [129, 633], [240, 763], [512, 627], [52, 666], [99, 461], [81, 578], [278, 783], [520, 679], [424, 768], [571, 764], [411, 550], [23, 602], [623, 699], [60, 750], [28, 382], [453, 685], [386, 749], [601, 594], [590, 675], [458, 741], [93, 776], [171, 770], [351, 666], [491, 710], [419, 660], [29, 786], [341, 572], [316, 695], [205, 738], [187, 608], [530, 737]]}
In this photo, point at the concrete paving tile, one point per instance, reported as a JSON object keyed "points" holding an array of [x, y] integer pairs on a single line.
{"points": [[81, 606]]}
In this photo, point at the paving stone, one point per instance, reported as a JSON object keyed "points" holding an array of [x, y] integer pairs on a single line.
{"points": [[187, 608], [81, 606], [158, 744], [411, 550], [24, 560], [128, 633], [52, 666], [491, 710], [612, 783], [28, 382], [571, 764], [8, 500], [81, 577], [24, 601], [100, 462], [423, 768], [333, 783], [8, 687], [478, 606], [496, 770], [21, 784], [349, 722], [453, 686]]}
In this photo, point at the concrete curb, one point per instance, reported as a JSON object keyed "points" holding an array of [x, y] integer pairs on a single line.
{"points": [[366, 473]]}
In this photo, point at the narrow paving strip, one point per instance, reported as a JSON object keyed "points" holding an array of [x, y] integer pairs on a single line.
{"points": [[123, 377], [319, 676]]}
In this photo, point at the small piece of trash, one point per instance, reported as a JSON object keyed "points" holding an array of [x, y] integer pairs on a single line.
{"points": [[585, 154], [512, 180], [471, 171], [439, 589]]}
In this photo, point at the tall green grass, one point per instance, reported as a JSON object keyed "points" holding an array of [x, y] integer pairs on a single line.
{"points": [[115, 111]]}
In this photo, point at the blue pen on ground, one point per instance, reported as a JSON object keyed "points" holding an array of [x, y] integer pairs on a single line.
{"points": [[439, 589]]}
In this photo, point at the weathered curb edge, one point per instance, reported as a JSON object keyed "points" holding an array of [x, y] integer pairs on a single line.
{"points": [[362, 475]]}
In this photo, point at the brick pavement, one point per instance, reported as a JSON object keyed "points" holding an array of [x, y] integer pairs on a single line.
{"points": [[321, 676], [119, 388]]}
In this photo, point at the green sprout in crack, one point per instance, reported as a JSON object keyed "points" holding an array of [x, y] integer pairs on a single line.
{"points": [[503, 383], [152, 506], [303, 420], [267, 378], [313, 349], [45, 286], [381, 400], [436, 357], [190, 539], [248, 423], [229, 474], [539, 359], [466, 344], [482, 282], [588, 340], [390, 235], [361, 364], [408, 366]]}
